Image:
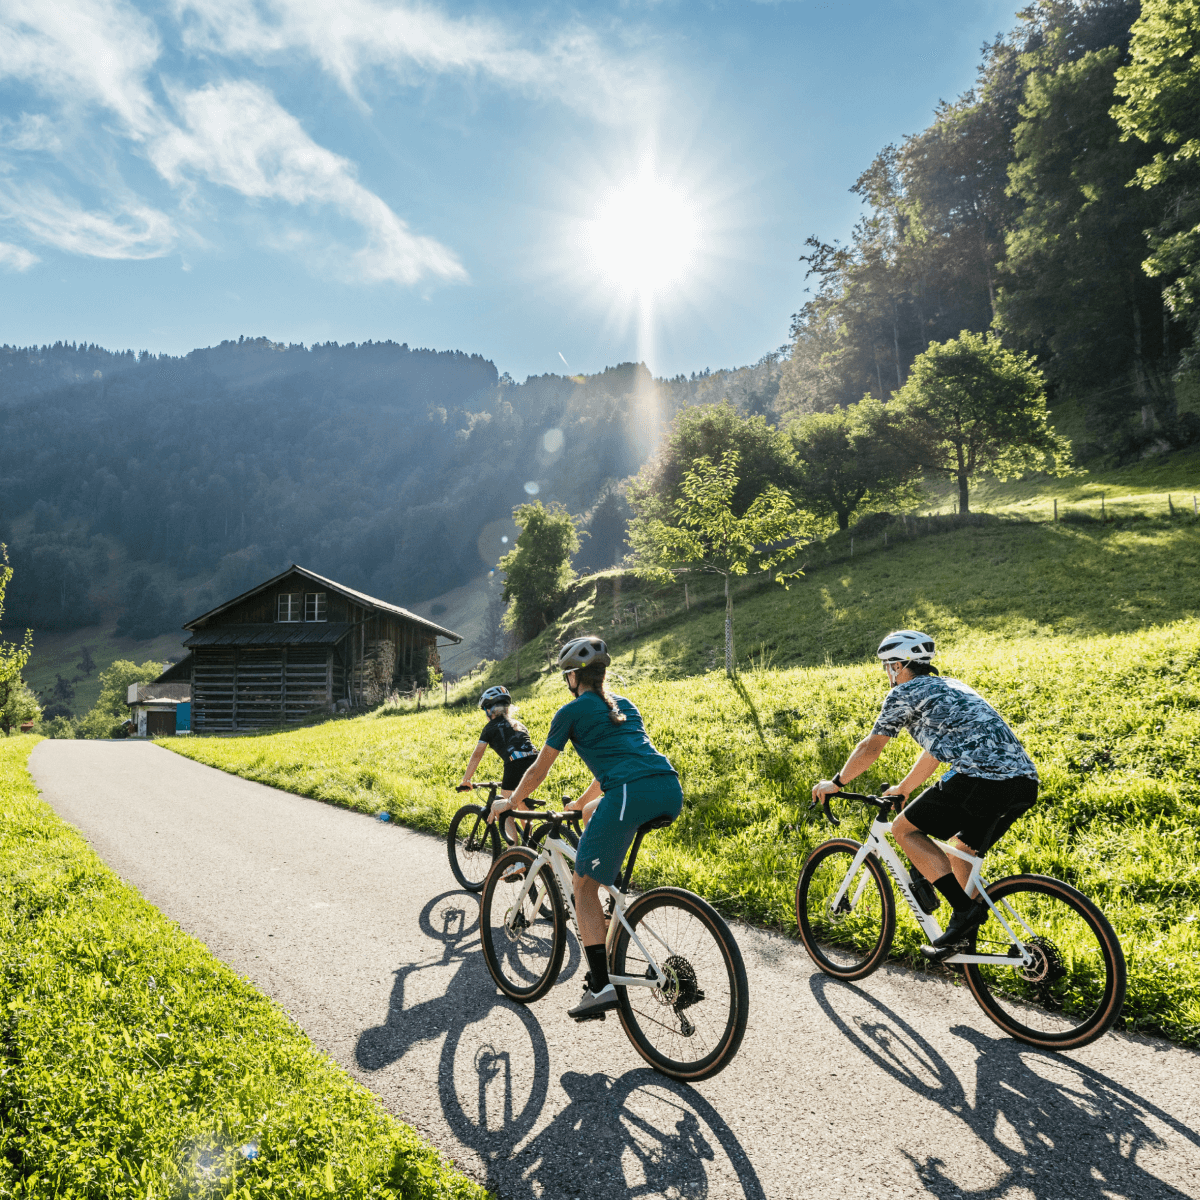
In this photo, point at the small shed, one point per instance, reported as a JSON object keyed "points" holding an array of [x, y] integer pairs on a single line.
{"points": [[154, 707], [299, 644]]}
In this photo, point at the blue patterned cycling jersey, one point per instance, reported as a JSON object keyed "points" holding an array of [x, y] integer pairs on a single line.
{"points": [[957, 726]]}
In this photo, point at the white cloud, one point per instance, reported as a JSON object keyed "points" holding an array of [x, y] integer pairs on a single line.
{"points": [[131, 230], [238, 136], [352, 36], [90, 51], [32, 132], [16, 258]]}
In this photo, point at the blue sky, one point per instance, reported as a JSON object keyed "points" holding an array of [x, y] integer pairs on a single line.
{"points": [[541, 185]]}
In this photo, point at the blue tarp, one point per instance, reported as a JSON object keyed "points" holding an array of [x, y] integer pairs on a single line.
{"points": [[183, 715]]}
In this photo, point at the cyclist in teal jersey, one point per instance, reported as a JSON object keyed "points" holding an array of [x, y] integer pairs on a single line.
{"points": [[635, 784]]}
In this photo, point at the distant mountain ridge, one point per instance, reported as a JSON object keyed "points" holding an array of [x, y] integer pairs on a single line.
{"points": [[394, 470]]}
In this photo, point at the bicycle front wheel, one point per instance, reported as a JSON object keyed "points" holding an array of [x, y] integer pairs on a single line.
{"points": [[523, 930], [472, 845], [690, 1026], [1073, 990], [847, 930]]}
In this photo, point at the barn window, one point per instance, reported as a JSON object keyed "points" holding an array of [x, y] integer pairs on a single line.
{"points": [[289, 606], [314, 607]]}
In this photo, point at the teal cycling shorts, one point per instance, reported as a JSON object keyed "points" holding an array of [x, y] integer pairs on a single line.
{"points": [[611, 830]]}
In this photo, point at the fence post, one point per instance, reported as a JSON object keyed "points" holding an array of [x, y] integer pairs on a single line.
{"points": [[1170, 506], [445, 691], [687, 604], [1195, 511], [851, 547], [1056, 510], [1102, 508], [885, 537]]}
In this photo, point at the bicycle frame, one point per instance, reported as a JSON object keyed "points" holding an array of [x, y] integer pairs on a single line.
{"points": [[556, 852], [878, 845]]}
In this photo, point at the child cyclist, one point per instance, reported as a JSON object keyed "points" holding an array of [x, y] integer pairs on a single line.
{"points": [[638, 784], [510, 740]]}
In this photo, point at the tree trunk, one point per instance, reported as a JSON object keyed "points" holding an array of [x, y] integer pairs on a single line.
{"points": [[896, 344], [843, 519], [962, 492], [728, 630]]}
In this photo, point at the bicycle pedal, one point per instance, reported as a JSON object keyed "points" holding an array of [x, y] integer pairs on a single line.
{"points": [[596, 1016]]}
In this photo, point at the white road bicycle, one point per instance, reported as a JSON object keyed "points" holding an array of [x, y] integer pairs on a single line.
{"points": [[1045, 965], [681, 984]]}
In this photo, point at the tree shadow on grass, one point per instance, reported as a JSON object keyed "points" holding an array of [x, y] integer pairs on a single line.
{"points": [[1057, 1127]]}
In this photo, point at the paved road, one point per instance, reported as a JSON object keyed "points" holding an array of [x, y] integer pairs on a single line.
{"points": [[897, 1088]]}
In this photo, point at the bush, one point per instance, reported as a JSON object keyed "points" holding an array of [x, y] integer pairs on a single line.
{"points": [[134, 1058], [110, 709]]}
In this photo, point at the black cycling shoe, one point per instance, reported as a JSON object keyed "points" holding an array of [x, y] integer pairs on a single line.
{"points": [[959, 932]]}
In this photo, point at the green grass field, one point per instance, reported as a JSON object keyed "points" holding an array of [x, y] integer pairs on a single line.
{"points": [[137, 1065], [1086, 637]]}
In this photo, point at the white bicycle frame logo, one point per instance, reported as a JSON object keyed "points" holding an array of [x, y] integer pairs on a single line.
{"points": [[878, 845]]}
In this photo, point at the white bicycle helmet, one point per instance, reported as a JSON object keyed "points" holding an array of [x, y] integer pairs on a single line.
{"points": [[582, 652], [906, 645], [494, 696]]}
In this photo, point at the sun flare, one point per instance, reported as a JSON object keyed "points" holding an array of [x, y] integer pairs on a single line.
{"points": [[645, 237]]}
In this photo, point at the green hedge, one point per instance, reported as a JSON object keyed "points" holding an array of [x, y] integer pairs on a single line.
{"points": [[136, 1064]]}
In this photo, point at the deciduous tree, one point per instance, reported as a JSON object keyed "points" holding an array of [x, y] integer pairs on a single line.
{"points": [[971, 406], [708, 532], [13, 655], [538, 570], [847, 459]]}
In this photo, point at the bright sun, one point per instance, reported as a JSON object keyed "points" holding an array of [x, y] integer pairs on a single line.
{"points": [[645, 238]]}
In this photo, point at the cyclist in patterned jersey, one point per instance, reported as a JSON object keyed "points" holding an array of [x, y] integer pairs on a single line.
{"points": [[510, 740], [991, 781], [634, 784]]}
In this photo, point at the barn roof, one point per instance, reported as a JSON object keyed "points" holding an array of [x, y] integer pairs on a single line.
{"points": [[327, 633], [350, 593]]}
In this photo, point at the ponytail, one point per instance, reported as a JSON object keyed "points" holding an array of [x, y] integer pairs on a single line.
{"points": [[593, 677]]}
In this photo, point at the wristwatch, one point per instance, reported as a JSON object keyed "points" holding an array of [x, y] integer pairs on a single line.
{"points": [[838, 780]]}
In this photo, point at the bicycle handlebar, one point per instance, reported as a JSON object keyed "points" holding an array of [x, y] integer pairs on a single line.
{"points": [[494, 787], [882, 803]]}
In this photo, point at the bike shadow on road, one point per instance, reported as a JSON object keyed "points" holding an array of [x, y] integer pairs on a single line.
{"points": [[639, 1135], [468, 998], [1054, 1126]]}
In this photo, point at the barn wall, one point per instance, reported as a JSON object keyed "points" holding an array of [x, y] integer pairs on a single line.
{"points": [[251, 687]]}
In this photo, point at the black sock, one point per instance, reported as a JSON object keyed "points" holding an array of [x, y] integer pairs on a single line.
{"points": [[598, 966], [952, 890]]}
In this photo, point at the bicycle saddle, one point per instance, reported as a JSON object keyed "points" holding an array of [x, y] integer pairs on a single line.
{"points": [[658, 823]]}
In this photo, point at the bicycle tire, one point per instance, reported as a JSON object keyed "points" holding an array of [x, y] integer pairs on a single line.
{"points": [[1073, 992], [524, 961], [855, 940], [472, 845], [691, 1028]]}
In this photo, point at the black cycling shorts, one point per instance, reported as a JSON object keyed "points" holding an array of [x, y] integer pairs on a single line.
{"points": [[979, 811], [514, 772]]}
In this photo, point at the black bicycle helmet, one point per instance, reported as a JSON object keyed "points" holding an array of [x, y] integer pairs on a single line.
{"points": [[582, 652]]}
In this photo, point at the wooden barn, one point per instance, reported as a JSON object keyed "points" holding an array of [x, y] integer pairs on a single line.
{"points": [[299, 644]]}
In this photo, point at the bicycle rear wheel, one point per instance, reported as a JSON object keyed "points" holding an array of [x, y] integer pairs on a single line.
{"points": [[472, 845], [851, 939], [524, 939], [690, 1027], [1073, 991]]}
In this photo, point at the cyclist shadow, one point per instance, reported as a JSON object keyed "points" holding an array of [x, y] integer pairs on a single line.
{"points": [[467, 1000], [1057, 1128], [640, 1135]]}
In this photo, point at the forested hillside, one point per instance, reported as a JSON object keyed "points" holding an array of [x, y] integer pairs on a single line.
{"points": [[141, 489], [1029, 206]]}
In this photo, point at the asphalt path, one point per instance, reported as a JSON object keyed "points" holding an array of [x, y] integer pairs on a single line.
{"points": [[899, 1087]]}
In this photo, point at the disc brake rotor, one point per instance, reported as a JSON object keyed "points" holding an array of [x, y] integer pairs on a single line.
{"points": [[1047, 966]]}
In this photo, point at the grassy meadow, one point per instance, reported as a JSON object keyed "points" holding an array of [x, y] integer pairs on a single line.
{"points": [[1086, 637], [137, 1065]]}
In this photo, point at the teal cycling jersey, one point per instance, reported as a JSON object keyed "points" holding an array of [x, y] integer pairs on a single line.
{"points": [[615, 753]]}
